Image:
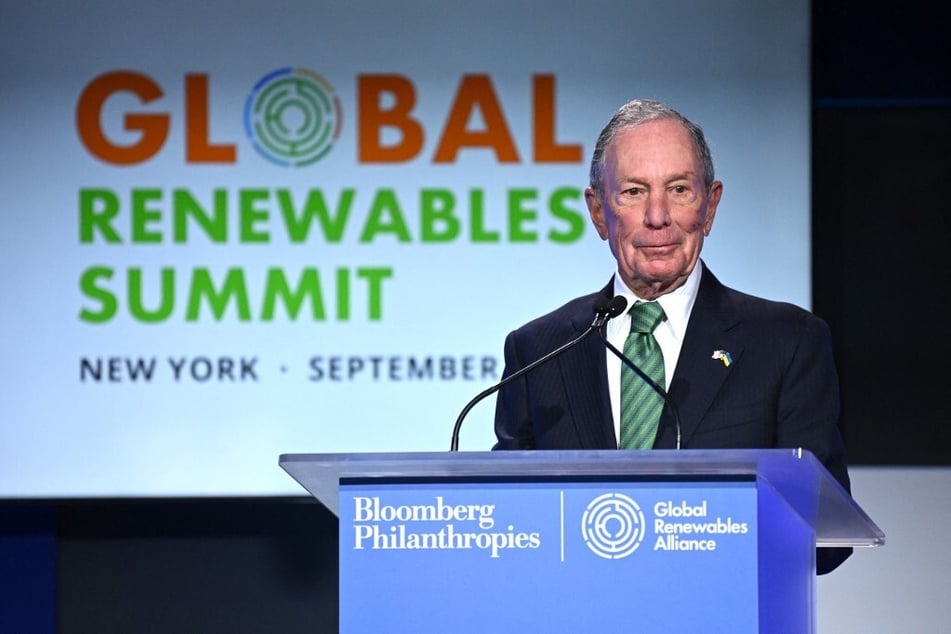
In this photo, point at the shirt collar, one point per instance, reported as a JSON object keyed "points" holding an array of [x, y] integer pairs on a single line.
{"points": [[677, 304]]}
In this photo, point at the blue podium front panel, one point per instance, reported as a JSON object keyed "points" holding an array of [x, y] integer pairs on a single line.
{"points": [[549, 556]]}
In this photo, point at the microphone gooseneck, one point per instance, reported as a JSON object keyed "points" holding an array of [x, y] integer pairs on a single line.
{"points": [[605, 310]]}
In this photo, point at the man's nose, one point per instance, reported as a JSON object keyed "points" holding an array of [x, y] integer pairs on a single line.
{"points": [[656, 214]]}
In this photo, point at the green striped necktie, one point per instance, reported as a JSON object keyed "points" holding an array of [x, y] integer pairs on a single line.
{"points": [[641, 406]]}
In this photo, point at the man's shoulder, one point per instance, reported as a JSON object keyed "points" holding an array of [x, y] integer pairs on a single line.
{"points": [[751, 308]]}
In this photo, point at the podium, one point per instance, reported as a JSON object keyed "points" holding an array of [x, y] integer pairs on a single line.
{"points": [[581, 541]]}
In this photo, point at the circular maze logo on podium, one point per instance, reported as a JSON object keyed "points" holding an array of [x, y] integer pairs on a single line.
{"points": [[613, 526], [293, 117]]}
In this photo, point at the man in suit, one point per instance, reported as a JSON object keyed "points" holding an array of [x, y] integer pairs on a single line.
{"points": [[743, 372]]}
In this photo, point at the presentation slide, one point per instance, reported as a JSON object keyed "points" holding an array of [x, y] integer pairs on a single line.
{"points": [[233, 230]]}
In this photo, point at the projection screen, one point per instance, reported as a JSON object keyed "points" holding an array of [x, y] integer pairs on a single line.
{"points": [[233, 230]]}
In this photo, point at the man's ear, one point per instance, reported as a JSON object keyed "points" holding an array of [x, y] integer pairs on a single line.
{"points": [[713, 200], [596, 211]]}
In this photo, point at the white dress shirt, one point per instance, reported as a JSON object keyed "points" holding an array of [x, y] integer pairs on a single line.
{"points": [[677, 305]]}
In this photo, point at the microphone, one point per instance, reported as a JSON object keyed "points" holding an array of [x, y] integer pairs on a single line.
{"points": [[605, 310], [661, 391]]}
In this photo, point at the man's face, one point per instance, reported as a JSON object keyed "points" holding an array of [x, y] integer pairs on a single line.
{"points": [[653, 207]]}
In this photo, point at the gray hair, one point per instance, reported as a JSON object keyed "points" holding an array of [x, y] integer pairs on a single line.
{"points": [[639, 111]]}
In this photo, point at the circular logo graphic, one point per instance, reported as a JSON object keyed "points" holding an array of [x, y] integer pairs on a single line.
{"points": [[612, 526], [293, 117]]}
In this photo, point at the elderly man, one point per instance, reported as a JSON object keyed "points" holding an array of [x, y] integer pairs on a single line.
{"points": [[743, 372]]}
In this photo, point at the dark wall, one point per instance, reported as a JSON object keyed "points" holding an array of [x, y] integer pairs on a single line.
{"points": [[880, 54], [881, 153], [208, 565], [882, 225], [881, 215]]}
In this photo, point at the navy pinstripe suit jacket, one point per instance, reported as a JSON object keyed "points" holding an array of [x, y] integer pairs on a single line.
{"points": [[781, 390]]}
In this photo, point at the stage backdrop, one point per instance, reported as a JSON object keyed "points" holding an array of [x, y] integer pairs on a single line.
{"points": [[236, 229]]}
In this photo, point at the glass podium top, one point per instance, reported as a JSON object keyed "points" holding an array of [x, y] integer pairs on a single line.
{"points": [[794, 473]]}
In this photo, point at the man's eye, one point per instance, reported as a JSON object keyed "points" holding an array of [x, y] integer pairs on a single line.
{"points": [[682, 194]]}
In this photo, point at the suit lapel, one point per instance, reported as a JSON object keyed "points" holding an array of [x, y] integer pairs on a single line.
{"points": [[699, 376], [588, 397]]}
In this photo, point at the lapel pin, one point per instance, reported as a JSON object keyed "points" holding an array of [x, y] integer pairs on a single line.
{"points": [[724, 356]]}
